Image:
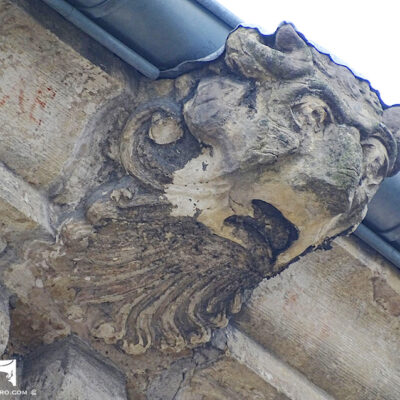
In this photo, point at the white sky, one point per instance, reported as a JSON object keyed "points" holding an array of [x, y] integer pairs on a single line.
{"points": [[365, 35]]}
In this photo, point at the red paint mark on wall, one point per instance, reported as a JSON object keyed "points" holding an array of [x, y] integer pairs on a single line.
{"points": [[21, 100], [41, 103], [325, 331], [51, 92], [3, 100], [291, 298], [34, 106]]}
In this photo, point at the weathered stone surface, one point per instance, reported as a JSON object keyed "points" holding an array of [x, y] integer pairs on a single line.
{"points": [[273, 371], [4, 320], [70, 369], [334, 316], [217, 180], [209, 374], [22, 207], [50, 97], [173, 381], [228, 379]]}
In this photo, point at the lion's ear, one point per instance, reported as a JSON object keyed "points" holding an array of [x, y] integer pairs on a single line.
{"points": [[288, 40], [391, 118], [253, 55]]}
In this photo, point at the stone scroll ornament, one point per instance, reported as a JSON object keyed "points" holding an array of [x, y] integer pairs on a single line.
{"points": [[266, 153]]}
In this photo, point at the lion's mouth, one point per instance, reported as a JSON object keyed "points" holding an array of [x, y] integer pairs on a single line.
{"points": [[267, 234]]}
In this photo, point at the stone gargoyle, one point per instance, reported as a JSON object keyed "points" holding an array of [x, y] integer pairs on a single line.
{"points": [[244, 165]]}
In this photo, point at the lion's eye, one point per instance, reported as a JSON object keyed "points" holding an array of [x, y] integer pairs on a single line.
{"points": [[311, 112], [375, 159]]}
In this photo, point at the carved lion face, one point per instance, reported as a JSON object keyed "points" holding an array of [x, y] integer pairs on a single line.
{"points": [[286, 127]]}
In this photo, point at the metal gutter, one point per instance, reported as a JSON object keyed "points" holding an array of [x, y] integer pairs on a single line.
{"points": [[377, 243], [159, 38], [103, 37], [383, 215], [380, 228]]}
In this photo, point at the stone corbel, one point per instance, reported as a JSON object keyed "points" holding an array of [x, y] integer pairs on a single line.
{"points": [[236, 170]]}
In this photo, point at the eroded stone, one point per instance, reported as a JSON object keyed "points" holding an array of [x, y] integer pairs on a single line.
{"points": [[228, 379], [70, 369], [22, 207], [4, 320]]}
